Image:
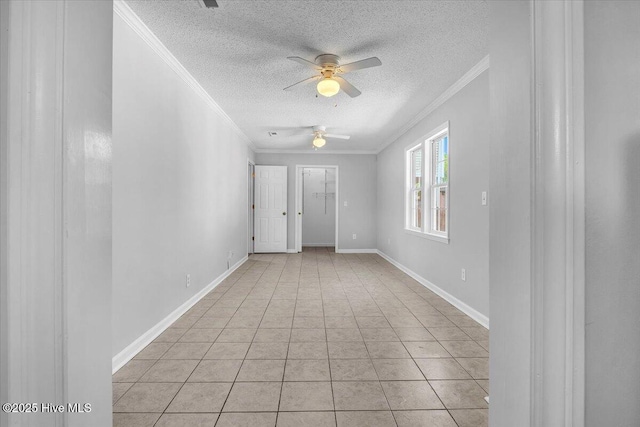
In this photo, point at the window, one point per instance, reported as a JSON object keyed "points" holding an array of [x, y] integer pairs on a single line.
{"points": [[427, 202]]}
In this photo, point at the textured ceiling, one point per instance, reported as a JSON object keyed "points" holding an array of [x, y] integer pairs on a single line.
{"points": [[238, 53]]}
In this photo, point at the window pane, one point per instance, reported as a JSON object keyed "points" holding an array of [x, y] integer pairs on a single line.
{"points": [[416, 168], [416, 209], [439, 204], [440, 154]]}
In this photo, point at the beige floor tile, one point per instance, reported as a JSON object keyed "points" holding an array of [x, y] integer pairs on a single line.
{"points": [[200, 397], [307, 370], [306, 396], [414, 334], [153, 351], [132, 371], [227, 350], [308, 335], [464, 321], [236, 335], [471, 417], [273, 335], [119, 389], [216, 370], [253, 397], [442, 369], [379, 334], [424, 419], [185, 322], [308, 322], [387, 350], [200, 335], [397, 369], [306, 419], [477, 333], [460, 394], [308, 350], [477, 367], [372, 322], [359, 396], [353, 370], [280, 321], [484, 344], [426, 349], [484, 384], [191, 420], [437, 321], [261, 370], [185, 350], [268, 350], [135, 420], [449, 334], [261, 419], [410, 395], [365, 419], [464, 349], [348, 350], [335, 322], [169, 371], [211, 323], [147, 397], [404, 322], [344, 335], [244, 322]]}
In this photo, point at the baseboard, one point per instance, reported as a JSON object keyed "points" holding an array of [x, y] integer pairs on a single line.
{"points": [[469, 311], [120, 359], [357, 251], [319, 245], [292, 251]]}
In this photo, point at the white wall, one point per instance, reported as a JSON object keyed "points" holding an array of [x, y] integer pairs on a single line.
{"points": [[612, 96], [357, 186], [179, 189], [319, 210], [440, 263]]}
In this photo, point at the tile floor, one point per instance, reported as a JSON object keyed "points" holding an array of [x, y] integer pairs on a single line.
{"points": [[313, 339]]}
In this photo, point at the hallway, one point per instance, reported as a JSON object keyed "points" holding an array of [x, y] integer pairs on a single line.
{"points": [[311, 339]]}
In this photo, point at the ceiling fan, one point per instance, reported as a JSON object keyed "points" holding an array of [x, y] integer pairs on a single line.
{"points": [[319, 135], [329, 70]]}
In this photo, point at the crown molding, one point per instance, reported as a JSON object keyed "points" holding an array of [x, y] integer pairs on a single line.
{"points": [[122, 9], [310, 151], [467, 78]]}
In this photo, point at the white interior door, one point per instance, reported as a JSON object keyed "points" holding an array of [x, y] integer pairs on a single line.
{"points": [[270, 209]]}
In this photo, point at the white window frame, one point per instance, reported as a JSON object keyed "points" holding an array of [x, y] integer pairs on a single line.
{"points": [[425, 144]]}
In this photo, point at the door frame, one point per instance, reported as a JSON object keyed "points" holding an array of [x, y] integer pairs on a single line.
{"points": [[251, 170], [298, 203]]}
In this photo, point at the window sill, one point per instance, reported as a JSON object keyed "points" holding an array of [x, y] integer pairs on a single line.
{"points": [[428, 236]]}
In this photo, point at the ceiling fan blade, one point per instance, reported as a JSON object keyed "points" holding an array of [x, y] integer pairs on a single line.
{"points": [[302, 81], [359, 65], [305, 62], [347, 87], [331, 135]]}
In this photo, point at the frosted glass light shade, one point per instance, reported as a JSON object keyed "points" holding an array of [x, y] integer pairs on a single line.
{"points": [[328, 87], [319, 142]]}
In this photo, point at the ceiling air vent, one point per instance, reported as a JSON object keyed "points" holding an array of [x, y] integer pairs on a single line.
{"points": [[273, 133], [208, 3]]}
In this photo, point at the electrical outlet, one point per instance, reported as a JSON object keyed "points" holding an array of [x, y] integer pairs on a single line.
{"points": [[354, 236], [463, 275], [484, 198], [188, 280]]}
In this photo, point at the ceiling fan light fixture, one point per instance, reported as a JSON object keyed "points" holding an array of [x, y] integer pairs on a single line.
{"points": [[319, 141], [328, 87]]}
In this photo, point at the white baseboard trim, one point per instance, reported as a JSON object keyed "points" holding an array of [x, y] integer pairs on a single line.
{"points": [[357, 251], [319, 245], [292, 251], [120, 359], [469, 311]]}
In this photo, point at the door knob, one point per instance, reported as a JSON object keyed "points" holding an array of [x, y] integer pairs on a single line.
{"points": [[284, 213], [299, 213]]}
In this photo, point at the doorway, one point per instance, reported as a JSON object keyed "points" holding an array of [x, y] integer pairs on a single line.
{"points": [[250, 204], [317, 205]]}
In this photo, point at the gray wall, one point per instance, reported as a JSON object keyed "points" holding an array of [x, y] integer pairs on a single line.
{"points": [[612, 117], [319, 210], [440, 263], [179, 190], [357, 186]]}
